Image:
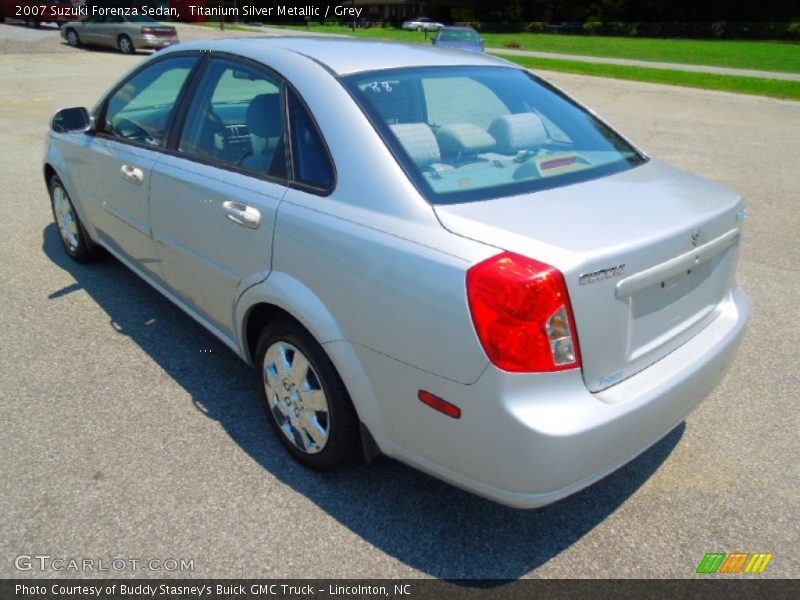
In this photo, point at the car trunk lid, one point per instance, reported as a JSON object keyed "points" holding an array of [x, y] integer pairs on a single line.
{"points": [[648, 254]]}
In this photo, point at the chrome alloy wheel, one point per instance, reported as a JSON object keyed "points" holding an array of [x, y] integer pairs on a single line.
{"points": [[65, 218], [296, 398]]}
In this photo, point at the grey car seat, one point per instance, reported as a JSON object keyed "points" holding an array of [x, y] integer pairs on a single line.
{"points": [[265, 123]]}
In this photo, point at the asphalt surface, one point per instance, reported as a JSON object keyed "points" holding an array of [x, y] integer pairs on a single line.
{"points": [[129, 432]]}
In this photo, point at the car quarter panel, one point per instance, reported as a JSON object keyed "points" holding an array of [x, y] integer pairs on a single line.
{"points": [[388, 291]]}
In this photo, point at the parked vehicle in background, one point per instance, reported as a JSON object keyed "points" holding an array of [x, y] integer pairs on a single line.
{"points": [[126, 33], [36, 12], [458, 38], [422, 24], [431, 254]]}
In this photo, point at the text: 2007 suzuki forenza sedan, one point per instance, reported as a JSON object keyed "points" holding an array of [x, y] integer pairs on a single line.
{"points": [[426, 253]]}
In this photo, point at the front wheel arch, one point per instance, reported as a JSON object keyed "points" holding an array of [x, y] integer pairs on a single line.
{"points": [[49, 171]]}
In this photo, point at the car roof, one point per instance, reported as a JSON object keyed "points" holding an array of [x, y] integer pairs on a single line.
{"points": [[344, 56]]}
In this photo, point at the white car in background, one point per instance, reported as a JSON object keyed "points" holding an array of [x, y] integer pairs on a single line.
{"points": [[422, 24]]}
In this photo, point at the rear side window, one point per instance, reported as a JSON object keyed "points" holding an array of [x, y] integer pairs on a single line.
{"points": [[236, 118], [140, 109], [312, 165]]}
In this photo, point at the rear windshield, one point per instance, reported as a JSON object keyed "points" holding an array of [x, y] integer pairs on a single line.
{"points": [[473, 133]]}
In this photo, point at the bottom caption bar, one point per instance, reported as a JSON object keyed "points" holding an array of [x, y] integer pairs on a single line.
{"points": [[417, 589]]}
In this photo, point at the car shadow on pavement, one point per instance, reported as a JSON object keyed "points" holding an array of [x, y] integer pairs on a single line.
{"points": [[427, 524]]}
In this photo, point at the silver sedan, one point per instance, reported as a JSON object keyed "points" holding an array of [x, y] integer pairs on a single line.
{"points": [[126, 33], [427, 254]]}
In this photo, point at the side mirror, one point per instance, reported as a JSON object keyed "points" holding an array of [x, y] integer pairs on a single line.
{"points": [[71, 119]]}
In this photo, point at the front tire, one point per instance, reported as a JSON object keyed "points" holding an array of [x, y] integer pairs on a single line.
{"points": [[72, 38], [125, 45], [306, 401], [73, 235]]}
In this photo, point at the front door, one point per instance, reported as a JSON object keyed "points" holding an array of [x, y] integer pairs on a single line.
{"points": [[128, 144], [213, 201]]}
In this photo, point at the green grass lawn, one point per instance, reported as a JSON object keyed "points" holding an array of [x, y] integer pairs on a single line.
{"points": [[744, 85], [767, 56], [783, 57]]}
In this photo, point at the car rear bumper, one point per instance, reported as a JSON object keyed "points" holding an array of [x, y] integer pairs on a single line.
{"points": [[154, 42], [527, 440]]}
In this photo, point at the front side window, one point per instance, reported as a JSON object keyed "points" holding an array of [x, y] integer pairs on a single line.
{"points": [[140, 109], [473, 133], [236, 118]]}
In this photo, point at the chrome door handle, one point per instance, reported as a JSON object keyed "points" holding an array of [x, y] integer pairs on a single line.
{"points": [[242, 214], [132, 174]]}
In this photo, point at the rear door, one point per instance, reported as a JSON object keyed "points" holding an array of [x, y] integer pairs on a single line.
{"points": [[130, 140], [213, 199], [89, 31], [109, 30]]}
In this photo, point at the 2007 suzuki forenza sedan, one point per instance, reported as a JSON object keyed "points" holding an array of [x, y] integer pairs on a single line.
{"points": [[430, 254]]}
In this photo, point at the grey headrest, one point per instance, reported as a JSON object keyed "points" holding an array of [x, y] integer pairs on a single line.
{"points": [[521, 131], [418, 140], [264, 117], [464, 138]]}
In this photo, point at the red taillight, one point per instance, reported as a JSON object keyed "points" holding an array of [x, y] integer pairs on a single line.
{"points": [[521, 311], [148, 31]]}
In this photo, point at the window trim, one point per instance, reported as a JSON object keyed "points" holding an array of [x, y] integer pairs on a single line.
{"points": [[101, 113], [177, 120], [300, 185], [171, 147]]}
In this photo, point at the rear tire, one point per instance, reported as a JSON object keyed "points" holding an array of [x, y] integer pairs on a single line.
{"points": [[125, 45], [306, 401], [72, 38], [76, 241]]}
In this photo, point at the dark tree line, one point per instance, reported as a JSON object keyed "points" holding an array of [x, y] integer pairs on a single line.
{"points": [[691, 18]]}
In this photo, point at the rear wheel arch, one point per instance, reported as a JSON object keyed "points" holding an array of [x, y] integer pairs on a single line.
{"points": [[267, 305], [283, 294], [259, 316]]}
